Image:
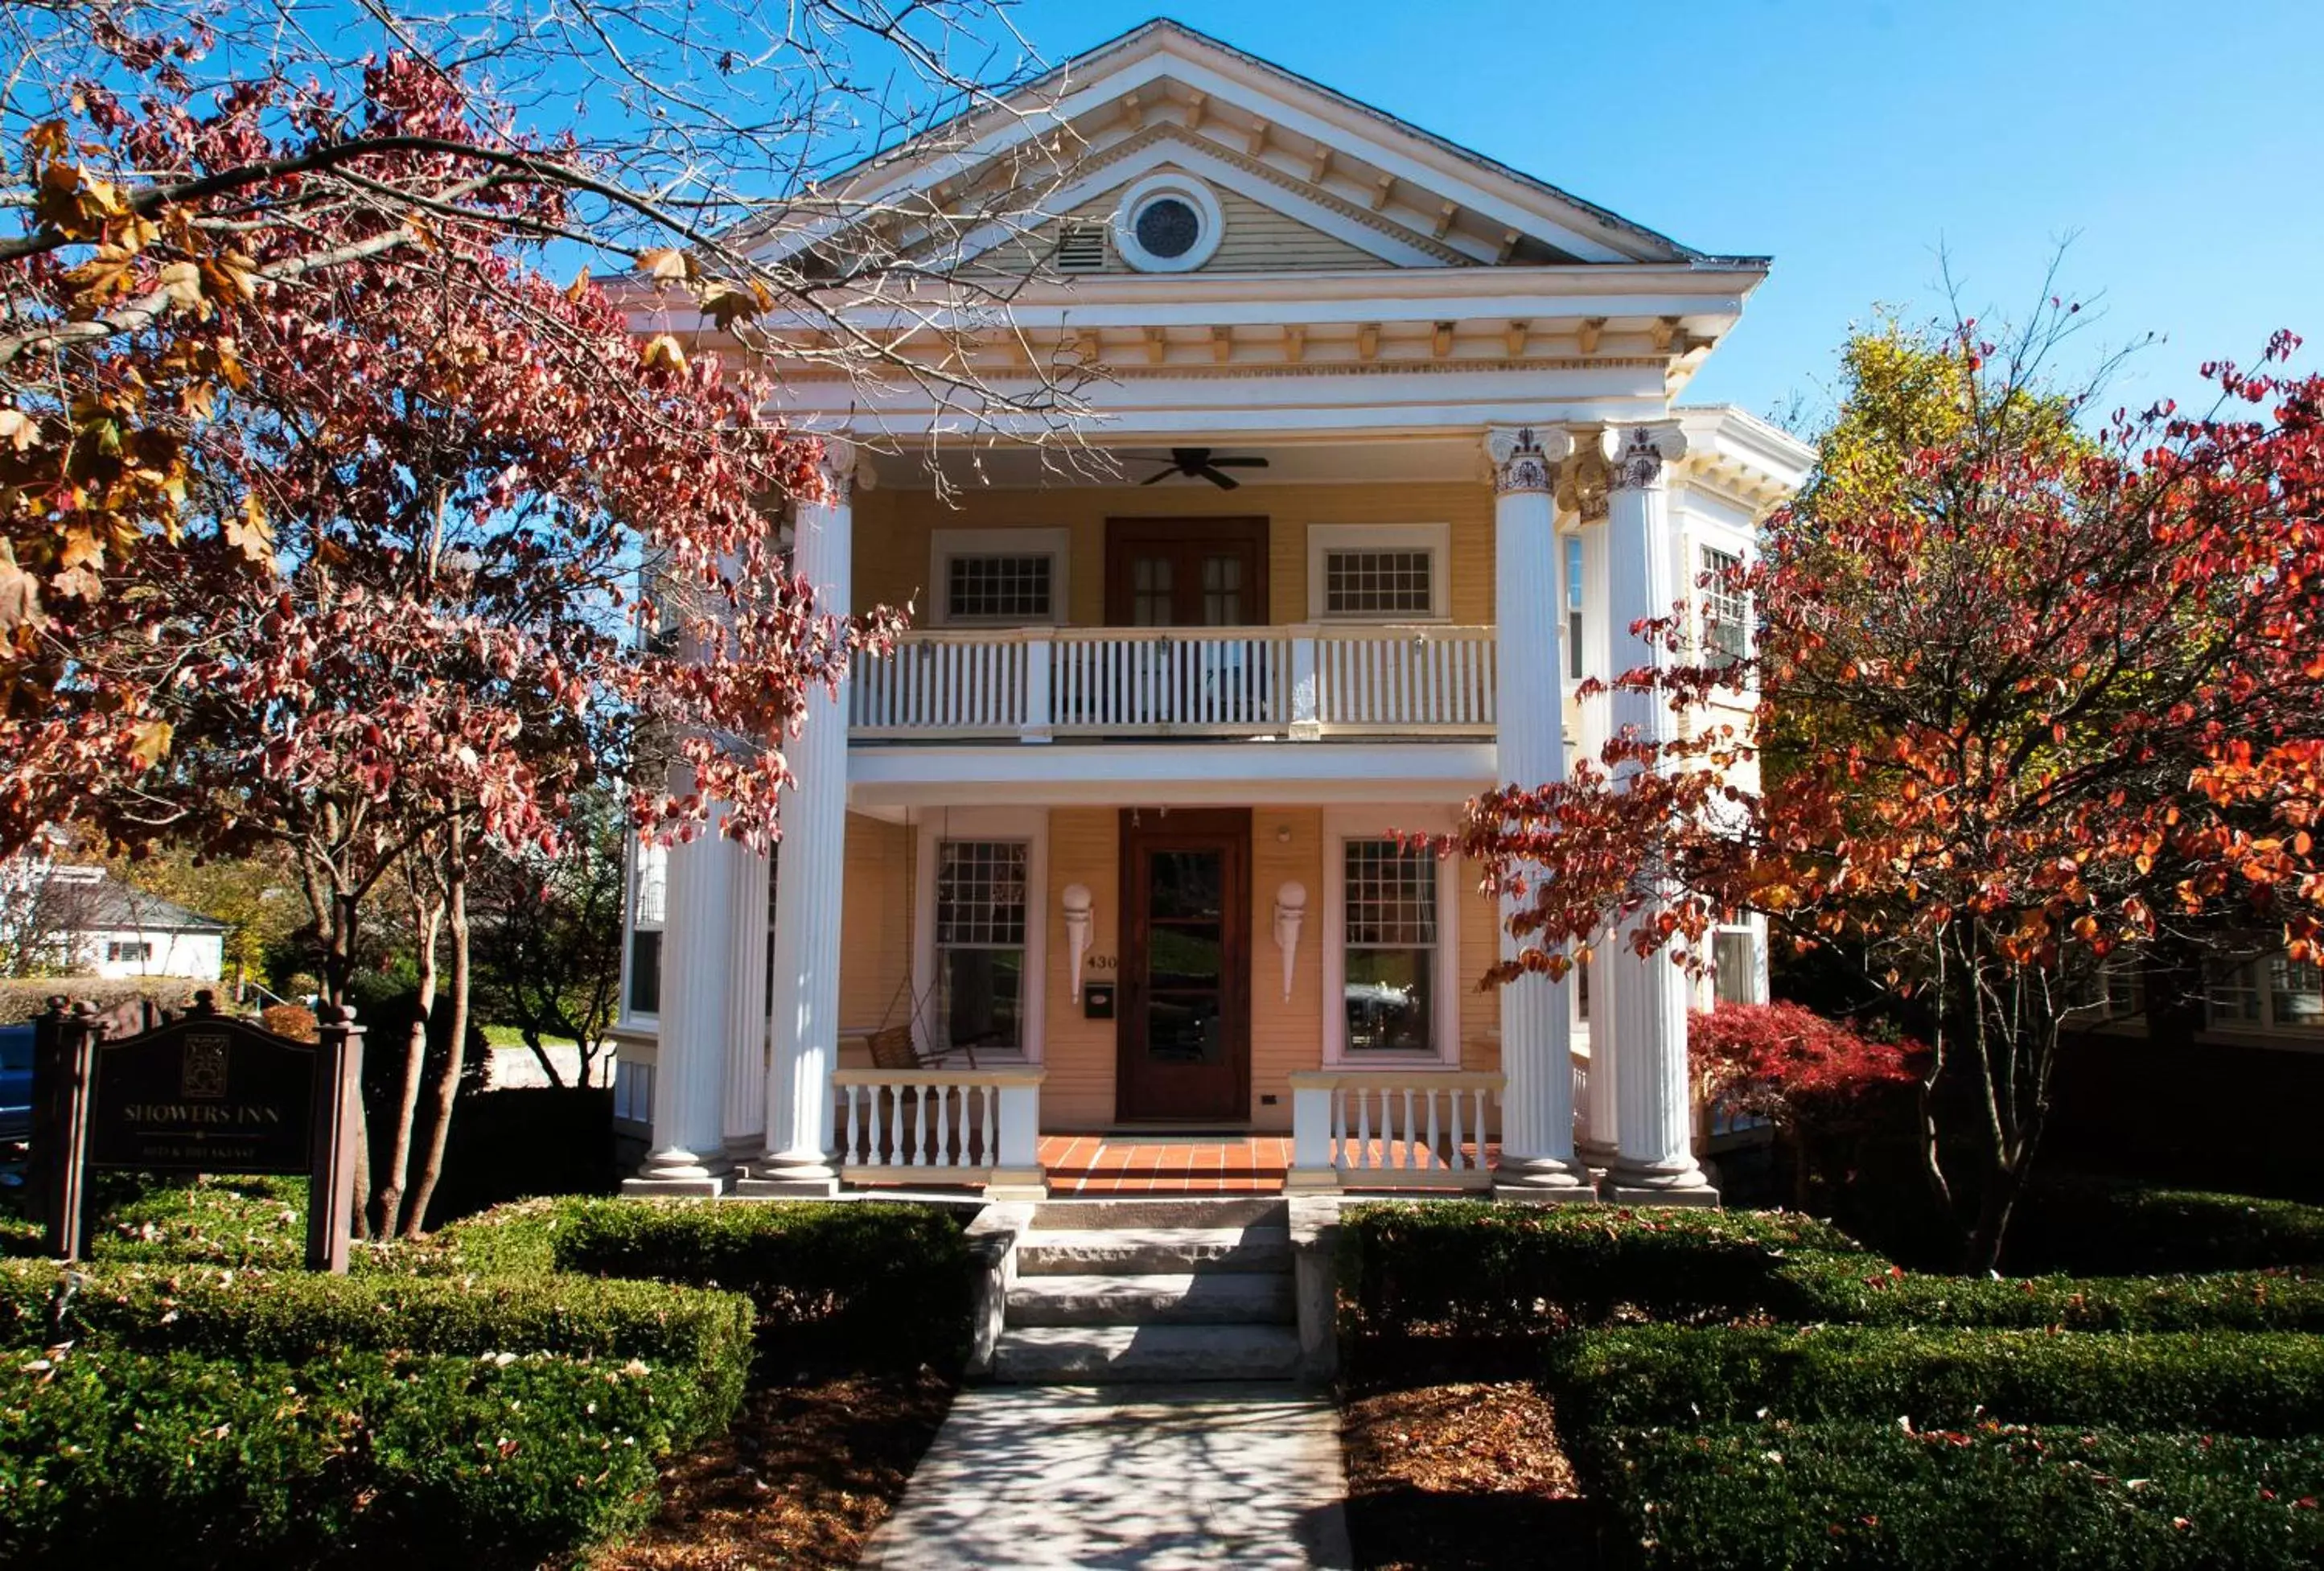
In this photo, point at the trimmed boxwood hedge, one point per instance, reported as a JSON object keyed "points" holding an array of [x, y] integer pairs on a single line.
{"points": [[2100, 1225], [1742, 1497], [1477, 1268], [872, 1283], [357, 1456], [294, 1316], [1473, 1266], [1645, 1376]]}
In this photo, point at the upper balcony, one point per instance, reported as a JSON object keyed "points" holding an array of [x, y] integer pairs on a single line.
{"points": [[1298, 682]]}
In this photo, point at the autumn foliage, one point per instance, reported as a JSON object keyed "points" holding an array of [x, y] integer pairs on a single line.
{"points": [[1787, 1063], [2032, 693]]}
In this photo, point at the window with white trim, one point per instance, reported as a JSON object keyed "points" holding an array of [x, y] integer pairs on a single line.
{"points": [[1726, 610], [649, 900], [138, 950], [1389, 938], [1367, 572], [1735, 966], [2277, 993], [979, 941], [1000, 588], [998, 577]]}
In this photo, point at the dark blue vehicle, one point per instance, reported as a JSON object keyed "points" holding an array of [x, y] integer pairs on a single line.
{"points": [[16, 1083]]}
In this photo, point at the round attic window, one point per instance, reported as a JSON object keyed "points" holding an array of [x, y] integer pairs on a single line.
{"points": [[1167, 222]]}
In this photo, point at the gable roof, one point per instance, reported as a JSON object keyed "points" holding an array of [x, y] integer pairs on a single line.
{"points": [[1411, 181], [101, 905]]}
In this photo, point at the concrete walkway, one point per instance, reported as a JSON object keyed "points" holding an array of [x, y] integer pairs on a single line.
{"points": [[1123, 1475]]}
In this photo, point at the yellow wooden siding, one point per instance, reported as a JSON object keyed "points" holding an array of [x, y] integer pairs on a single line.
{"points": [[1285, 1034], [1080, 1054], [894, 530], [876, 926], [1258, 238], [1084, 848]]}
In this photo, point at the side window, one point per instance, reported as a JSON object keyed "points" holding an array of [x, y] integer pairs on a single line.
{"points": [[1726, 612], [1379, 572]]}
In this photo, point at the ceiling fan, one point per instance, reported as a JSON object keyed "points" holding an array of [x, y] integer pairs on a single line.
{"points": [[1198, 462]]}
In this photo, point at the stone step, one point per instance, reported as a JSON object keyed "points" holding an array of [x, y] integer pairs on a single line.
{"points": [[1105, 1355], [1208, 1298], [1081, 1215], [1145, 1251]]}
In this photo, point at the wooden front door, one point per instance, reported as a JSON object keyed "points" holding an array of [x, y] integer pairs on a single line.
{"points": [[1185, 572], [1185, 1023]]}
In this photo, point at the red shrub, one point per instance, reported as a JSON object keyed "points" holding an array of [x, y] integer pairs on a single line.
{"points": [[1782, 1062]]}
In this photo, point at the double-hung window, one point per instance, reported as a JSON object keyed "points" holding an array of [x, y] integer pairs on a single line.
{"points": [[1735, 966], [1389, 977], [649, 902], [1726, 610], [1575, 654], [980, 942]]}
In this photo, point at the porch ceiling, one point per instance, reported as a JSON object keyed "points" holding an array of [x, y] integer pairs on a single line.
{"points": [[1017, 467]]}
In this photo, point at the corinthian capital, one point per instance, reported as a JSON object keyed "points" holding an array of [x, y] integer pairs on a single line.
{"points": [[840, 470], [1522, 457], [1635, 455]]}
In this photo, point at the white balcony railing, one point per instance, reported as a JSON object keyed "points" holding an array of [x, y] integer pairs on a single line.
{"points": [[938, 1126], [1034, 684], [1391, 1129]]}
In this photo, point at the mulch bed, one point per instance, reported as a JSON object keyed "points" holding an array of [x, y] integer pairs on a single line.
{"points": [[1464, 1473], [807, 1471]]}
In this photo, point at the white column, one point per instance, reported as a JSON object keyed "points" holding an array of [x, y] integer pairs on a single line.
{"points": [[746, 1003], [1536, 1025], [1653, 1157], [1598, 1118], [689, 1154], [805, 1032]]}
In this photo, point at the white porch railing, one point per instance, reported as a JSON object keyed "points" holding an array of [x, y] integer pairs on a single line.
{"points": [[1034, 684], [1399, 1129], [939, 1127]]}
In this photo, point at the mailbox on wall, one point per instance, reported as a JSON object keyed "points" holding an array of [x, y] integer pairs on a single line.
{"points": [[1097, 1001]]}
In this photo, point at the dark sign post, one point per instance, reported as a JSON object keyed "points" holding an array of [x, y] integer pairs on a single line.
{"points": [[203, 1092]]}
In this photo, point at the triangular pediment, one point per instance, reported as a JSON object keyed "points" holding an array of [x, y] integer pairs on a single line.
{"points": [[1304, 179]]}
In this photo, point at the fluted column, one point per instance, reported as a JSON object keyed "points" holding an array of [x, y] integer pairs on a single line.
{"points": [[1536, 1024], [804, 1035], [1595, 1142], [1653, 1157], [689, 1154], [746, 1002]]}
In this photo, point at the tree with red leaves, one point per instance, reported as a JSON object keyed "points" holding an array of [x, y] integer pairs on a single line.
{"points": [[1808, 1075], [2036, 695]]}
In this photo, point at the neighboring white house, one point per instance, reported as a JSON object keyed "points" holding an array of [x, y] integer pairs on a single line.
{"points": [[91, 925], [1118, 819]]}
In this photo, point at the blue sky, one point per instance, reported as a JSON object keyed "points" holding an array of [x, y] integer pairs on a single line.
{"points": [[1854, 140]]}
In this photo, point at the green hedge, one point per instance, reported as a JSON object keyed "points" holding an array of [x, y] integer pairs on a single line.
{"points": [[1739, 1498], [2103, 1226], [1472, 1266], [25, 998], [1864, 1289], [1642, 1377], [1477, 1268], [497, 1461], [873, 1283], [294, 1316]]}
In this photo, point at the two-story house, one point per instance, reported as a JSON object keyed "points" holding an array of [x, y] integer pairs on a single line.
{"points": [[1395, 455]]}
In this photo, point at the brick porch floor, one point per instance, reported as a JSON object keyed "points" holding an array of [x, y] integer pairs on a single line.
{"points": [[1097, 1164]]}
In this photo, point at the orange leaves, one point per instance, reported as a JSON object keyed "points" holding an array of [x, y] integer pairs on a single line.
{"points": [[252, 534]]}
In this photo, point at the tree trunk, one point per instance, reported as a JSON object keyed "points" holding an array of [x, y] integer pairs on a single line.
{"points": [[548, 1065], [447, 1083], [387, 1201], [2003, 1186]]}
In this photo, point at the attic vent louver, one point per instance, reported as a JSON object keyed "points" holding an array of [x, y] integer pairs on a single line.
{"points": [[1080, 248]]}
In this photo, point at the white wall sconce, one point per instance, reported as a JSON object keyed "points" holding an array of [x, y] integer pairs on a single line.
{"points": [[1075, 899], [1290, 915]]}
